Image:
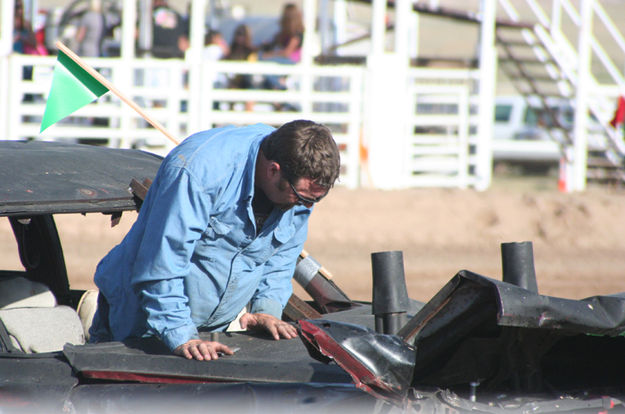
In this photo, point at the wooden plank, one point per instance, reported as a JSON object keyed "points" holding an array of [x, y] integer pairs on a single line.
{"points": [[139, 190], [297, 309]]}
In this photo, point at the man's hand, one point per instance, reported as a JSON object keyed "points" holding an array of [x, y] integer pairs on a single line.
{"points": [[277, 328], [202, 350]]}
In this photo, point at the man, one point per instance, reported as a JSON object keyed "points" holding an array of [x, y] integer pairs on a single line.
{"points": [[220, 229], [169, 32], [91, 30]]}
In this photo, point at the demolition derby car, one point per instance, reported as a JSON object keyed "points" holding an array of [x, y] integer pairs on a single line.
{"points": [[479, 345]]}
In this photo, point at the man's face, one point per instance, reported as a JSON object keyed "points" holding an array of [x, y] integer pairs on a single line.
{"points": [[304, 192]]}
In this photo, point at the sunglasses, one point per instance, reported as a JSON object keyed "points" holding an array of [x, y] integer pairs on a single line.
{"points": [[305, 200]]}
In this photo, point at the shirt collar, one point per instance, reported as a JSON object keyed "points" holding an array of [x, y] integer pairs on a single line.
{"points": [[250, 168]]}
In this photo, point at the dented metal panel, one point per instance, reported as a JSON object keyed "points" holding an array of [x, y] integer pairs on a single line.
{"points": [[507, 338], [378, 363]]}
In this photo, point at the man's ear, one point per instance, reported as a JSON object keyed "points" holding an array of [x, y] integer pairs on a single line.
{"points": [[273, 169]]}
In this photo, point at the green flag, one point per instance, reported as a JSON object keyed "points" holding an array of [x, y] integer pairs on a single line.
{"points": [[72, 88]]}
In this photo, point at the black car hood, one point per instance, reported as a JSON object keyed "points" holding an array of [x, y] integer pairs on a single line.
{"points": [[258, 358], [50, 177]]}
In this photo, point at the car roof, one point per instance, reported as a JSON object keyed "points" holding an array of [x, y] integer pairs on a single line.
{"points": [[39, 177]]}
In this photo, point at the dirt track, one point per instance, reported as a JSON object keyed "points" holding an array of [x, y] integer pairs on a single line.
{"points": [[578, 239]]}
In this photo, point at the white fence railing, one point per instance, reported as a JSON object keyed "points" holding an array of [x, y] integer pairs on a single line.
{"points": [[442, 128], [165, 89], [186, 98], [438, 123]]}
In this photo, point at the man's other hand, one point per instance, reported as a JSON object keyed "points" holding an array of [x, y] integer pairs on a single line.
{"points": [[202, 350], [277, 328]]}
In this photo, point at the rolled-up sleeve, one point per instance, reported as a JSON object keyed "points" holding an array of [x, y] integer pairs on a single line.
{"points": [[163, 260]]}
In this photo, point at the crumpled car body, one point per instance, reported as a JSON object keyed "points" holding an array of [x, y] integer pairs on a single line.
{"points": [[478, 337]]}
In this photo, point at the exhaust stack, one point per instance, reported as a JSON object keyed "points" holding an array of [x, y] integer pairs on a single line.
{"points": [[517, 259], [390, 297]]}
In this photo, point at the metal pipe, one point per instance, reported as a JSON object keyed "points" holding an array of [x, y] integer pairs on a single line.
{"points": [[390, 297], [517, 260], [324, 292]]}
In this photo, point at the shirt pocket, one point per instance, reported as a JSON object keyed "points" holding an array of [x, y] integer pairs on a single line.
{"points": [[263, 249], [216, 228], [283, 234], [213, 243]]}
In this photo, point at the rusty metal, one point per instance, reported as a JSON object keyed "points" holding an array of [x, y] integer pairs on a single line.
{"points": [[138, 189], [297, 309]]}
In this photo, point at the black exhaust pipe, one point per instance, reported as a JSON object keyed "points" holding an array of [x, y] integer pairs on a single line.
{"points": [[517, 259], [390, 297]]}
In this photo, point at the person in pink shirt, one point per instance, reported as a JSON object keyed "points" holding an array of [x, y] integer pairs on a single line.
{"points": [[286, 46]]}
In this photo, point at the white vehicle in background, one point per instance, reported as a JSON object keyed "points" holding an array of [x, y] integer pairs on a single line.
{"points": [[524, 132], [527, 133]]}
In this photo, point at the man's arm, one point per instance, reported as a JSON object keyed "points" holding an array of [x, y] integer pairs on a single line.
{"points": [[276, 287], [177, 216]]}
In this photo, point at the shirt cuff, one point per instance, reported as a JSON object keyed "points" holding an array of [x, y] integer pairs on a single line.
{"points": [[178, 336], [268, 306]]}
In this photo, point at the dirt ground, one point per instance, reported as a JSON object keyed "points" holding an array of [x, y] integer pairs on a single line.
{"points": [[578, 239]]}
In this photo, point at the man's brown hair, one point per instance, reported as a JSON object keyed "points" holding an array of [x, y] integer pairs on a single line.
{"points": [[304, 149]]}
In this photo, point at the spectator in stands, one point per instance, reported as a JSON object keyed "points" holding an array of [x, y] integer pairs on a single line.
{"points": [[169, 32], [215, 46], [39, 27], [91, 30], [24, 40], [286, 46], [241, 48]]}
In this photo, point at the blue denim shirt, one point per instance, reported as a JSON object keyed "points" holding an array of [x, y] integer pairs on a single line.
{"points": [[194, 257]]}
